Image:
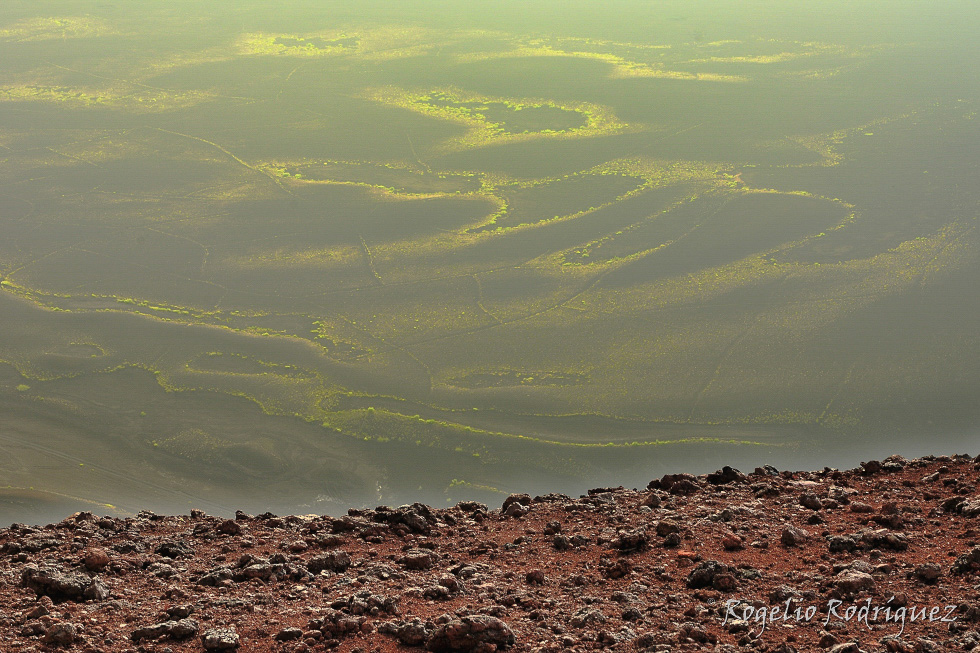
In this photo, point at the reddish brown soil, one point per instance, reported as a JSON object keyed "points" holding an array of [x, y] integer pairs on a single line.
{"points": [[618, 569]]}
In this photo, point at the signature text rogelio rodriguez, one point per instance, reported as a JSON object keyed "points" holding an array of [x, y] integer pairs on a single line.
{"points": [[863, 612]]}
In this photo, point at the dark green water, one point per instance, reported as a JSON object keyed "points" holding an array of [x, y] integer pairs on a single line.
{"points": [[302, 256]]}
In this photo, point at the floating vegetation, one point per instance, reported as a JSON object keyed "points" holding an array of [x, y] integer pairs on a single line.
{"points": [[316, 42], [121, 99], [735, 51], [620, 68], [376, 43], [464, 108], [298, 46], [50, 28], [545, 200], [389, 177]]}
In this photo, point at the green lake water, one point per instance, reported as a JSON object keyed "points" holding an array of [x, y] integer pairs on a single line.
{"points": [[301, 256]]}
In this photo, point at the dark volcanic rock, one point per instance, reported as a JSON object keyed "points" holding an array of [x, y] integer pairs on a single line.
{"points": [[811, 501], [417, 559], [181, 629], [337, 561], [175, 549], [704, 574], [61, 634], [967, 562], [634, 540], [411, 633], [522, 499], [470, 634], [793, 536], [61, 585], [289, 634], [726, 475], [220, 639]]}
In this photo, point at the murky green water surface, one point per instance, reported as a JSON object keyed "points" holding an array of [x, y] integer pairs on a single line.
{"points": [[304, 255]]}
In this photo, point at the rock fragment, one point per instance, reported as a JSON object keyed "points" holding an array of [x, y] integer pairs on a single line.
{"points": [[95, 559], [851, 581], [61, 634], [220, 639], [471, 633], [417, 559], [793, 536], [49, 580], [337, 561]]}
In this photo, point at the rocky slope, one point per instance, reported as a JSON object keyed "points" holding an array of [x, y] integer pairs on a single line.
{"points": [[881, 558]]}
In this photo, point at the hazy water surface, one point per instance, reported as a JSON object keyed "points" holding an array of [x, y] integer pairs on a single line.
{"points": [[305, 255]]}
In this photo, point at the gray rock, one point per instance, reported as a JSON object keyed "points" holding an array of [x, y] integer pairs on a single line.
{"points": [[262, 571], [671, 541], [50, 581], [884, 539], [418, 559], [180, 611], [175, 549], [337, 561], [634, 540], [220, 639], [161, 570], [184, 628], [704, 574], [364, 602], [850, 581], [928, 572], [415, 522], [288, 634], [561, 542], [522, 499], [96, 591], [587, 617], [841, 543], [340, 624], [181, 629], [470, 634], [811, 501], [155, 631], [61, 634], [967, 562], [414, 632], [651, 500], [793, 536]]}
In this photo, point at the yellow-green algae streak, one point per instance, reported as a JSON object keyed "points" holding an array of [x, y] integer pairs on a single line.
{"points": [[346, 260]]}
